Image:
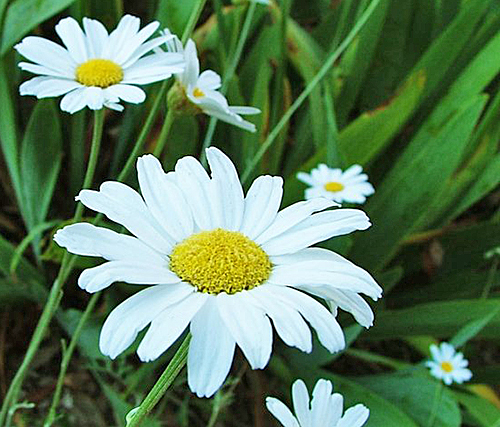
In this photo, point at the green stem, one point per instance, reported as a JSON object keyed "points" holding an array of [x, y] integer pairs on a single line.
{"points": [[307, 91], [162, 385], [228, 75], [193, 19], [56, 290], [67, 354], [491, 277], [165, 130], [435, 404]]}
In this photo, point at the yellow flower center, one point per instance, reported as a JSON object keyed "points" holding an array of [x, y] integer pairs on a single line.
{"points": [[220, 261], [334, 186], [99, 72], [198, 93], [446, 366]]}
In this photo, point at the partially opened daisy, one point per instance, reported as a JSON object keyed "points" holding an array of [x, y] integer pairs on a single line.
{"points": [[96, 69], [350, 186], [448, 364], [222, 263], [325, 410], [201, 90]]}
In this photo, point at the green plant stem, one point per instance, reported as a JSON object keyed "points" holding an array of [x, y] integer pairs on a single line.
{"points": [[165, 130], [163, 383], [228, 75], [56, 290], [67, 354], [491, 277], [435, 404], [307, 91]]}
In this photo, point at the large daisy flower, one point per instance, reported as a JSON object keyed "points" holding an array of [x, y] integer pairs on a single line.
{"points": [[448, 364], [96, 69], [325, 410], [201, 90], [350, 186], [222, 263]]}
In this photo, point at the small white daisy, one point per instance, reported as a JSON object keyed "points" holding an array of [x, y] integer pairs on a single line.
{"points": [[221, 263], [325, 409], [448, 364], [96, 69], [201, 89], [350, 186]]}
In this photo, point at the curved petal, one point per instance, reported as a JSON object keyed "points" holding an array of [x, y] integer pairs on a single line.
{"points": [[46, 71], [129, 93], [329, 332], [47, 53], [243, 110], [317, 228], [209, 80], [229, 206], [323, 409], [211, 351], [249, 326], [73, 38], [118, 41], [192, 71], [169, 325], [291, 216], [153, 68], [124, 323], [281, 412], [289, 324], [97, 278], [355, 416], [123, 205], [74, 101], [134, 42], [164, 199], [44, 87], [88, 240], [262, 203], [94, 97], [96, 37]]}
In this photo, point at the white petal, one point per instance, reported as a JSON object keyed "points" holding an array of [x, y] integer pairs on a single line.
{"points": [[73, 38], [123, 205], [300, 398], [248, 325], [291, 216], [231, 118], [169, 325], [335, 274], [322, 410], [118, 41], [164, 199], [243, 110], [97, 278], [191, 72], [96, 37], [329, 332], [229, 206], [94, 97], [352, 171], [47, 53], [74, 101], [306, 178], [143, 49], [153, 68], [309, 254], [209, 80], [89, 240], [355, 416], [281, 412], [262, 203], [46, 71], [316, 228], [124, 323], [44, 87], [211, 351], [195, 184], [128, 93], [289, 324], [134, 42]]}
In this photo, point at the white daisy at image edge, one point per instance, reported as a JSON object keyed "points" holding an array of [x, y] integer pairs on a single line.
{"points": [[96, 69], [325, 410], [448, 364], [201, 89], [222, 263], [350, 186]]}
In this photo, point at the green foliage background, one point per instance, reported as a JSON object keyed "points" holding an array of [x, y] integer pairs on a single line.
{"points": [[414, 99]]}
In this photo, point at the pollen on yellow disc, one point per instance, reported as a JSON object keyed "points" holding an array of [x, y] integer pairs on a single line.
{"points": [[446, 366], [198, 93], [334, 186], [220, 261], [99, 72]]}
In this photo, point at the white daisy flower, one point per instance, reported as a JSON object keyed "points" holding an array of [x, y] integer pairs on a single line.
{"points": [[325, 409], [96, 69], [448, 364], [201, 89], [223, 264], [350, 186]]}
